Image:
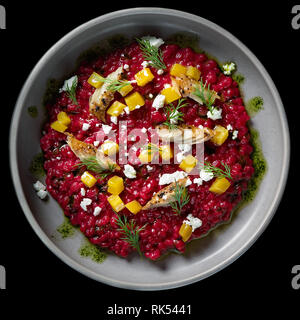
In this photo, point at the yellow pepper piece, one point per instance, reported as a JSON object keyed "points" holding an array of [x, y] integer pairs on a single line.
{"points": [[219, 186], [95, 80], [125, 90], [109, 147], [171, 94], [88, 179], [188, 163], [115, 185], [116, 202], [185, 232], [58, 126], [193, 73], [135, 99], [116, 109], [177, 70], [133, 206], [221, 134], [166, 152], [63, 118], [143, 77]]}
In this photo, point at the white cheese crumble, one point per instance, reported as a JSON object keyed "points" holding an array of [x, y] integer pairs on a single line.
{"points": [[228, 68], [144, 130], [149, 168], [42, 194], [82, 192], [97, 210], [114, 119], [215, 114], [188, 182], [167, 85], [229, 127], [160, 72], [150, 95], [86, 126], [137, 106], [106, 128], [198, 181], [168, 178], [84, 203], [205, 175], [129, 171], [39, 186], [126, 66], [126, 109], [69, 83], [180, 156], [96, 143], [145, 64], [155, 42], [193, 222], [159, 101], [184, 147], [235, 134]]}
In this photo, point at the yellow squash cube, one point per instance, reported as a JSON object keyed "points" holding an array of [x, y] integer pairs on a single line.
{"points": [[116, 109], [133, 206], [166, 152], [177, 70], [88, 179], [193, 73], [109, 147], [185, 232], [116, 202], [115, 185], [219, 186], [63, 118], [171, 94], [125, 90], [220, 135], [135, 99], [58, 126], [95, 80], [188, 163], [143, 77]]}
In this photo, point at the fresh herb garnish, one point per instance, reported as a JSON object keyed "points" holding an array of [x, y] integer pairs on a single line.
{"points": [[151, 54], [115, 85], [218, 172], [71, 92], [173, 114], [92, 164], [205, 94], [181, 198], [131, 232]]}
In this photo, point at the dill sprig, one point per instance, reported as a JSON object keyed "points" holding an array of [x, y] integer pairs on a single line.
{"points": [[173, 114], [205, 94], [131, 232], [181, 198], [93, 165], [218, 172], [71, 92], [114, 85], [151, 54]]}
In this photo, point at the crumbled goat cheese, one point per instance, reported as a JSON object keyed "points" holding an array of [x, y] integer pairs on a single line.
{"points": [[84, 203], [96, 143], [149, 168], [188, 182], [39, 186], [206, 175], [184, 147], [215, 114], [160, 72], [167, 85], [68, 84], [106, 128], [97, 210], [180, 156], [114, 119], [159, 101], [129, 171], [229, 127], [228, 68], [42, 194], [198, 181], [137, 106], [82, 192], [200, 126], [86, 126], [150, 95], [235, 134], [193, 222], [145, 64], [126, 66], [144, 130], [126, 109], [155, 42], [168, 178]]}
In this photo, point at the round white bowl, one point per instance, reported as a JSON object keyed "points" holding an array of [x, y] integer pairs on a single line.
{"points": [[203, 257]]}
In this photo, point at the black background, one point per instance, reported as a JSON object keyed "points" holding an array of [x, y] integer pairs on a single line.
{"points": [[259, 278]]}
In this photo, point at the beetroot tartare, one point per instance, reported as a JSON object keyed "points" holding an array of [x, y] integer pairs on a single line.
{"points": [[147, 148]]}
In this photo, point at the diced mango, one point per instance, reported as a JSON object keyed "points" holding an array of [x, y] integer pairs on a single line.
{"points": [[63, 118], [143, 77], [147, 154], [166, 152], [133, 206], [177, 70], [58, 126], [171, 94], [116, 202], [116, 109], [193, 73], [115, 185], [188, 163], [220, 135], [88, 179], [185, 232], [220, 185], [95, 80], [135, 99], [125, 90], [109, 147]]}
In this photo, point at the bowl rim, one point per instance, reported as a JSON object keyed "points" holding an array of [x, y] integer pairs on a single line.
{"points": [[15, 171]]}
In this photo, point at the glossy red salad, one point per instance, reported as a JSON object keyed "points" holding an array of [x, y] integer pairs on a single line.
{"points": [[147, 148]]}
